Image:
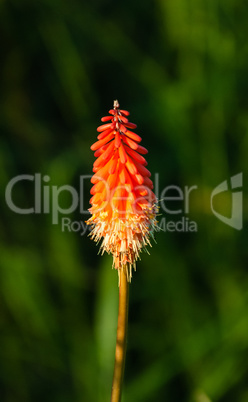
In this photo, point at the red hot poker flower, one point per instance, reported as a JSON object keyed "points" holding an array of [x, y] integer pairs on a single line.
{"points": [[123, 205]]}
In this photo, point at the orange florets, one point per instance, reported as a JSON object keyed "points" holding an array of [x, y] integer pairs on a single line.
{"points": [[123, 204]]}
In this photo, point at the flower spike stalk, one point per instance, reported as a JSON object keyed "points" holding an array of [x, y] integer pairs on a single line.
{"points": [[123, 204], [123, 211]]}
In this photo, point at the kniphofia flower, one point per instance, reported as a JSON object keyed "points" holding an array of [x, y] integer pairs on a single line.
{"points": [[123, 204]]}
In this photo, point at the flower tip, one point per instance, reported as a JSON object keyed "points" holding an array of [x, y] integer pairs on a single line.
{"points": [[116, 104]]}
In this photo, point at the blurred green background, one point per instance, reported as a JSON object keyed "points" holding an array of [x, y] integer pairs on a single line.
{"points": [[180, 67]]}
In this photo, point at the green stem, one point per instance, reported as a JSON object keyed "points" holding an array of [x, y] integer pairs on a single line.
{"points": [[121, 339]]}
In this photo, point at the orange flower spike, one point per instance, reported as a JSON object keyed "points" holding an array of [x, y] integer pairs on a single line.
{"points": [[123, 207]]}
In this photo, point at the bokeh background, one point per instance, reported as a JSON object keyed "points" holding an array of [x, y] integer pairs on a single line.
{"points": [[180, 67]]}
